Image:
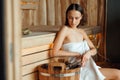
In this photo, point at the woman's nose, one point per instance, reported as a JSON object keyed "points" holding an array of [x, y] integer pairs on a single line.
{"points": [[73, 21]]}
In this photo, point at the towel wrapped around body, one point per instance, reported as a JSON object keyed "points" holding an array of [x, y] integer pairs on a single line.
{"points": [[90, 71]]}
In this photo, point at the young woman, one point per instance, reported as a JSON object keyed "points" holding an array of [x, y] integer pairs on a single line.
{"points": [[73, 41]]}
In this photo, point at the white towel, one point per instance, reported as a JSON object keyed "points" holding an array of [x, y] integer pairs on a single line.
{"points": [[90, 71]]}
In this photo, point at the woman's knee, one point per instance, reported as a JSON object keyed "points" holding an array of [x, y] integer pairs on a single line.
{"points": [[117, 75]]}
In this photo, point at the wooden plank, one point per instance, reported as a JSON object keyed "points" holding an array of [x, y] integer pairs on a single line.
{"points": [[8, 39], [29, 6], [101, 22], [42, 12], [50, 12], [83, 3], [32, 67], [92, 9], [13, 40], [25, 18], [29, 0], [35, 17], [32, 76], [27, 51], [101, 11], [16, 39], [31, 17], [75, 1], [64, 6], [38, 40], [45, 28], [29, 59], [58, 16]]}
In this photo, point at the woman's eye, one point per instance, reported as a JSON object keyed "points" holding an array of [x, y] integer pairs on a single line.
{"points": [[70, 17], [77, 18]]}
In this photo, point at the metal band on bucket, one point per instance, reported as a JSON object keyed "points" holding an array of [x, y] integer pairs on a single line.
{"points": [[60, 75]]}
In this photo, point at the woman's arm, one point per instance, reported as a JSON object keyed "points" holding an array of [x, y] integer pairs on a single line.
{"points": [[92, 50], [60, 37], [86, 56]]}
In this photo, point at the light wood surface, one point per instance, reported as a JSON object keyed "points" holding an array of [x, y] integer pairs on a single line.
{"points": [[8, 40], [12, 27], [50, 12], [58, 20], [64, 5], [92, 8], [31, 50], [38, 53], [33, 40], [42, 13], [32, 67], [35, 57], [32, 76], [37, 16]]}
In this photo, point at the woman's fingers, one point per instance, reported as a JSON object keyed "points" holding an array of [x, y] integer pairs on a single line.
{"points": [[84, 60]]}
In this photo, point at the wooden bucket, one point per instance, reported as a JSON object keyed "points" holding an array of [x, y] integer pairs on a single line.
{"points": [[57, 71]]}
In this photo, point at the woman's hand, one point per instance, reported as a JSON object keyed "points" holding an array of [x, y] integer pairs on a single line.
{"points": [[78, 56], [85, 57]]}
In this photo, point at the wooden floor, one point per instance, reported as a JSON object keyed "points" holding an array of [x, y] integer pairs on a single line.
{"points": [[109, 65]]}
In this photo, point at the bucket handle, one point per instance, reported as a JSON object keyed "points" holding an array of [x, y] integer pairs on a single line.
{"points": [[53, 65]]}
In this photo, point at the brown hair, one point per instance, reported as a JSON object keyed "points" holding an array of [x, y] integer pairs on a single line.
{"points": [[77, 7]]}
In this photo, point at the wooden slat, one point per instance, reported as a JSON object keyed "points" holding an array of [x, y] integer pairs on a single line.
{"points": [[101, 22], [32, 76], [58, 16], [92, 9], [34, 57], [32, 67], [45, 28], [25, 18], [64, 5], [75, 1], [35, 17], [8, 39], [29, 6], [50, 12], [42, 13], [16, 37], [35, 49], [83, 3], [30, 0], [37, 40]]}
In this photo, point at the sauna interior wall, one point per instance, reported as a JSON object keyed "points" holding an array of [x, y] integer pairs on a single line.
{"points": [[52, 12], [41, 13]]}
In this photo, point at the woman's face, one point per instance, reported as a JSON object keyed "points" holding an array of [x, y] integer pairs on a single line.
{"points": [[74, 18]]}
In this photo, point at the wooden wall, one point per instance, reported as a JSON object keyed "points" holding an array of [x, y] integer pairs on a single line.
{"points": [[38, 15], [42, 13], [31, 58], [35, 51], [52, 12]]}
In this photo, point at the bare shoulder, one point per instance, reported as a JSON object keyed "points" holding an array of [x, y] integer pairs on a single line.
{"points": [[60, 36], [63, 30], [82, 31]]}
